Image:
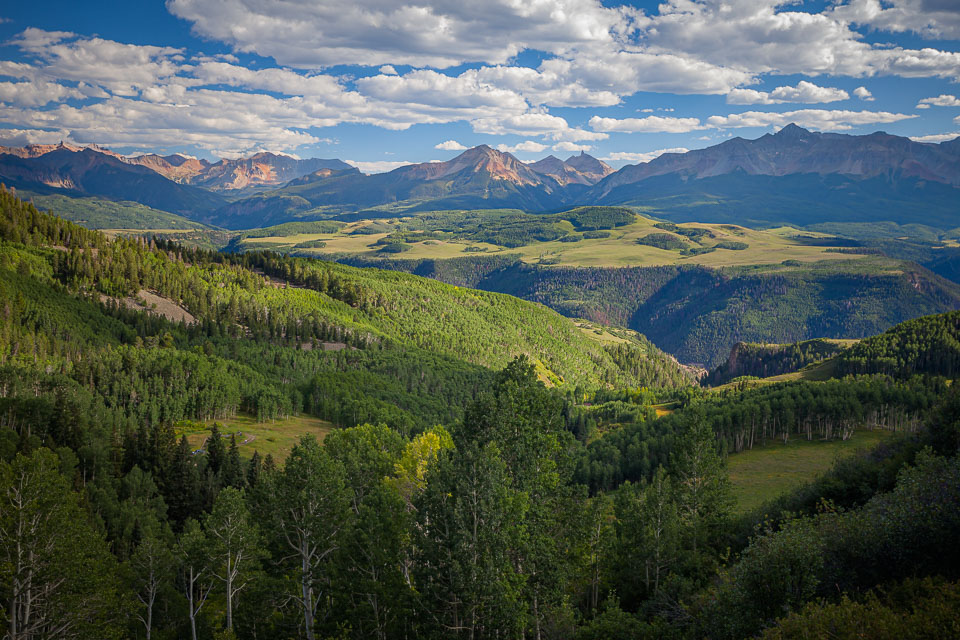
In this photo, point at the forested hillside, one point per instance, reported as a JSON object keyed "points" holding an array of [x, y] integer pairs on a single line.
{"points": [[492, 469], [925, 345], [766, 360], [699, 314]]}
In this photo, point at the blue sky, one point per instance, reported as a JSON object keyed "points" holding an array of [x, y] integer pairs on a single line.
{"points": [[379, 83]]}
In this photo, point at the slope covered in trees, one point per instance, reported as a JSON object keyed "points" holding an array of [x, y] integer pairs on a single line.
{"points": [[450, 501], [766, 360], [698, 314], [925, 345]]}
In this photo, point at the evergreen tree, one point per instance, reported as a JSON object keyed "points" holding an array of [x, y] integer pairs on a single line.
{"points": [[216, 452]]}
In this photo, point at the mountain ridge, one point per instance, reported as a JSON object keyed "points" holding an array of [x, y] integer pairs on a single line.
{"points": [[780, 178]]}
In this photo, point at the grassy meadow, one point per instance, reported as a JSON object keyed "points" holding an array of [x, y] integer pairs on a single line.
{"points": [[366, 238], [763, 473], [274, 437]]}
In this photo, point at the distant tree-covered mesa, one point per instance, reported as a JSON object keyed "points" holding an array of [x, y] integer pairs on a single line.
{"points": [[492, 471]]}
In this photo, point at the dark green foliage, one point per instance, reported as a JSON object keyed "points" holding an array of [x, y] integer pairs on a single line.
{"points": [[694, 233], [665, 241], [744, 419], [310, 244], [766, 360], [732, 245], [395, 247], [595, 218], [101, 213], [799, 199], [914, 609], [596, 235], [925, 345], [908, 531]]}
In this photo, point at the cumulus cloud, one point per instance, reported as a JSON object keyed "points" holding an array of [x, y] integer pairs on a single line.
{"points": [[36, 93], [388, 70], [766, 36], [225, 107], [650, 124], [936, 137], [639, 157], [23, 137], [377, 166], [528, 145], [535, 124], [943, 100], [820, 119], [450, 145], [805, 92], [864, 94], [571, 146], [929, 18], [370, 32]]}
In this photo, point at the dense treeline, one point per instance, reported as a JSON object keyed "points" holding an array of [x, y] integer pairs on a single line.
{"points": [[744, 419], [925, 345], [766, 360]]}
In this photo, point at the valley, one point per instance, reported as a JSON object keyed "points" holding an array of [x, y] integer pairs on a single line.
{"points": [[592, 371], [553, 320]]}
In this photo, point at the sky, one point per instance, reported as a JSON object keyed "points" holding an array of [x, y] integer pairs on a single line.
{"points": [[381, 83]]}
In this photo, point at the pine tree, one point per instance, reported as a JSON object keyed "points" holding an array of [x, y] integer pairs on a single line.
{"points": [[216, 452]]}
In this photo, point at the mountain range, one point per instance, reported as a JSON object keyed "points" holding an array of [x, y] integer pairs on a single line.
{"points": [[793, 176]]}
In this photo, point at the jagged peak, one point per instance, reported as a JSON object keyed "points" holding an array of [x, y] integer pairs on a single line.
{"points": [[793, 130]]}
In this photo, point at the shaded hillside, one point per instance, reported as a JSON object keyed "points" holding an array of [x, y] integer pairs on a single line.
{"points": [[765, 360], [798, 199], [100, 213], [794, 150], [90, 172]]}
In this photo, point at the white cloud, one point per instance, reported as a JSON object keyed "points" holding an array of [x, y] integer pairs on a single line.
{"points": [[36, 93], [936, 137], [571, 146], [805, 92], [528, 145], [943, 100], [767, 36], [426, 87], [371, 32], [388, 70], [377, 166], [123, 69], [450, 145], [628, 71], [864, 94], [820, 119], [644, 156], [535, 124], [23, 137], [650, 124], [36, 39], [929, 18]]}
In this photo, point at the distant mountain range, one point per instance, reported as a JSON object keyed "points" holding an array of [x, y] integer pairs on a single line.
{"points": [[263, 170], [794, 176]]}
